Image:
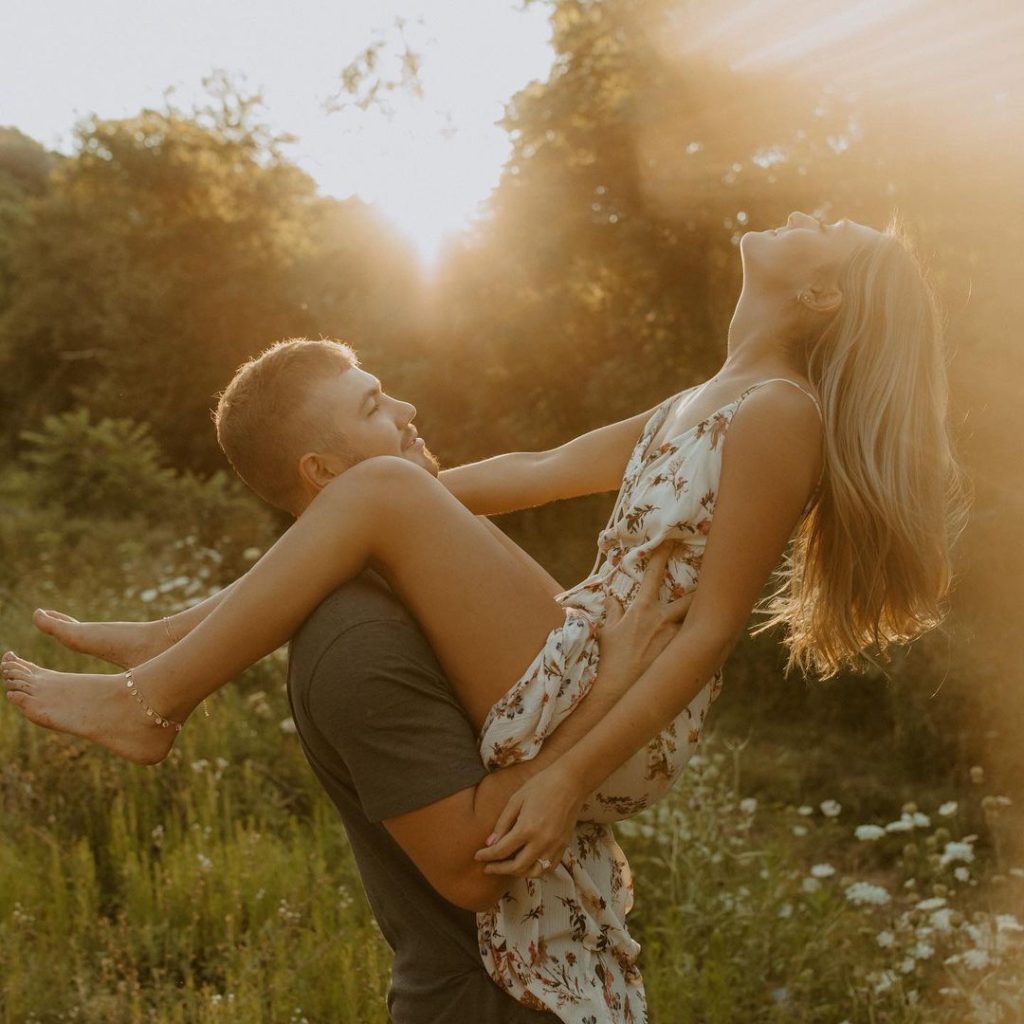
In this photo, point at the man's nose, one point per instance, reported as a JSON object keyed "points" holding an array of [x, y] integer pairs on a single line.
{"points": [[407, 411]]}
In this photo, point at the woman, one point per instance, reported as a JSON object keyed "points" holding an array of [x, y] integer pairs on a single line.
{"points": [[831, 406]]}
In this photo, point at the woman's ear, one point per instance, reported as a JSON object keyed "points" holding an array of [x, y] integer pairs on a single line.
{"points": [[826, 299]]}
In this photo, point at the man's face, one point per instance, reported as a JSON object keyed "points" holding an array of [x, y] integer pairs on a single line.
{"points": [[370, 421]]}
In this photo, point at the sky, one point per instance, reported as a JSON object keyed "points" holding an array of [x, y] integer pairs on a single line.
{"points": [[428, 165]]}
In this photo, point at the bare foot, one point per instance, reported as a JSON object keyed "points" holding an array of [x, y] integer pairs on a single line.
{"points": [[127, 644], [97, 707]]}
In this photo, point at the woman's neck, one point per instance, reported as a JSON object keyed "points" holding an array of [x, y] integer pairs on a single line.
{"points": [[760, 338]]}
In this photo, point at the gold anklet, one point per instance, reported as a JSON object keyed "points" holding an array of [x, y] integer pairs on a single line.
{"points": [[174, 639], [155, 715]]}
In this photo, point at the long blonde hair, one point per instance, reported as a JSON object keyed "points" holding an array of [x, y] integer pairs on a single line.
{"points": [[870, 565]]}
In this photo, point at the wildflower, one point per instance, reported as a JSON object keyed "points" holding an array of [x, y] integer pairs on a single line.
{"points": [[931, 904], [251, 554], [786, 910], [799, 830], [956, 851], [922, 951], [948, 808], [805, 810], [823, 870], [288, 726], [1008, 923], [885, 939], [148, 595], [907, 965], [941, 920], [201, 765], [748, 805], [883, 981], [920, 820], [867, 892], [976, 959], [961, 874], [810, 885], [204, 862], [904, 824], [831, 808], [867, 833]]}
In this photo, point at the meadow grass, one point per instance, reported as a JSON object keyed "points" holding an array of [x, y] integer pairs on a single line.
{"points": [[219, 887]]}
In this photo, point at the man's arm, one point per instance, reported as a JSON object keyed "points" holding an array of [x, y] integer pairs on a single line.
{"points": [[442, 838]]}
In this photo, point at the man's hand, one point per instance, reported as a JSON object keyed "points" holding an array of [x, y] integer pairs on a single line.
{"points": [[538, 820]]}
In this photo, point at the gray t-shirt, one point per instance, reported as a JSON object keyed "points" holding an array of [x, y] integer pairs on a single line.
{"points": [[385, 735]]}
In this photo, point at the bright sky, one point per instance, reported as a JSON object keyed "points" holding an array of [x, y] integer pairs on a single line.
{"points": [[428, 166]]}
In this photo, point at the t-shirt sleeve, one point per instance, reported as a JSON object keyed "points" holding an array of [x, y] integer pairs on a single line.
{"points": [[379, 697]]}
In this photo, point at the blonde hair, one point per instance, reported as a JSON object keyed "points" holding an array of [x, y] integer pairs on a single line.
{"points": [[264, 419], [870, 566]]}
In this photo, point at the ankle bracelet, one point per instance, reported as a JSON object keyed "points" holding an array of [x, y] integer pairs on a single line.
{"points": [[155, 715], [174, 639]]}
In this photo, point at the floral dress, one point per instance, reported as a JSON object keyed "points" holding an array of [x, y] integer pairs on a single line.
{"points": [[560, 942]]}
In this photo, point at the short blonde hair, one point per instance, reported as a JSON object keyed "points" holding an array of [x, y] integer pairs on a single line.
{"points": [[264, 419]]}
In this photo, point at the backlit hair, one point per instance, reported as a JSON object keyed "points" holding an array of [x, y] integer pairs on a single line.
{"points": [[266, 421], [870, 566]]}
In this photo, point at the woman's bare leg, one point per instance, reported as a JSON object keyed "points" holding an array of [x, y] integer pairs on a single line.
{"points": [[126, 644], [484, 608]]}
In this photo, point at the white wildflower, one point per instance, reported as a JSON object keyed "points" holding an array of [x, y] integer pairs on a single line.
{"points": [[976, 959], [922, 951], [201, 765], [904, 824], [204, 862], [810, 885], [831, 808], [948, 808], [799, 830], [956, 851], [748, 805], [921, 820], [962, 874], [1008, 923], [805, 810], [933, 903], [907, 965], [942, 920], [867, 892], [786, 910], [885, 939], [883, 981], [148, 595], [287, 726], [867, 833], [823, 871]]}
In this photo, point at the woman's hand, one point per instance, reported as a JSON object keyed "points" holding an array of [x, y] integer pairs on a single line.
{"points": [[535, 828], [537, 822]]}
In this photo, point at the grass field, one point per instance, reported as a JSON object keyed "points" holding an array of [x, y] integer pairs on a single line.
{"points": [[218, 886]]}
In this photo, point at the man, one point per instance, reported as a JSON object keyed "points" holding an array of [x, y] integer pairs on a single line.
{"points": [[378, 721]]}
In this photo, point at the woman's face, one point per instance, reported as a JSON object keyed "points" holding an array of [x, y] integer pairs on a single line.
{"points": [[803, 253]]}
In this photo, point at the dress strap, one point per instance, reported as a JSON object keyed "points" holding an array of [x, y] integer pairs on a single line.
{"points": [[771, 380]]}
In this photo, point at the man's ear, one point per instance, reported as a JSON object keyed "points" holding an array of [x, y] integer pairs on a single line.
{"points": [[825, 299], [316, 471]]}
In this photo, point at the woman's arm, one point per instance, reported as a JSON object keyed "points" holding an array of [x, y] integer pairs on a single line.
{"points": [[588, 464], [769, 468]]}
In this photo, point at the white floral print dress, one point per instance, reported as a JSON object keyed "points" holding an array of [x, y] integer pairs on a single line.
{"points": [[560, 942]]}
